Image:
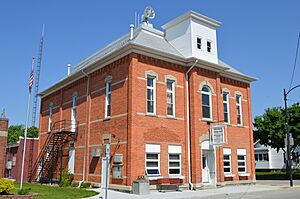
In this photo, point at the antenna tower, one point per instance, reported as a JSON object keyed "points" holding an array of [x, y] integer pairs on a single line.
{"points": [[35, 100]]}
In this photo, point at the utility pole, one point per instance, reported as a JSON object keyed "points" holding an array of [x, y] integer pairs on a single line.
{"points": [[288, 136]]}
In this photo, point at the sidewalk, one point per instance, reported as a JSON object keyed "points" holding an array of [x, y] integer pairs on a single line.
{"points": [[225, 191]]}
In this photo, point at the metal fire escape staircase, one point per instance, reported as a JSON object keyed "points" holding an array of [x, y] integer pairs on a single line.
{"points": [[48, 158]]}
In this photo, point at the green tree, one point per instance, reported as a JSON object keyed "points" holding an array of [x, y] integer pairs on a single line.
{"points": [[270, 127], [15, 131]]}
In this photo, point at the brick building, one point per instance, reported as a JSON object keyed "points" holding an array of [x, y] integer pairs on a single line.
{"points": [[14, 153], [3, 143], [154, 95]]}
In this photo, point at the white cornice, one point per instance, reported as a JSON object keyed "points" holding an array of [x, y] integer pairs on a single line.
{"points": [[192, 14]]}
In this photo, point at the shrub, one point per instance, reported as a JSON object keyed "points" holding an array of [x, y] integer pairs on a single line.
{"points": [[66, 179], [75, 184], [24, 191], [6, 186], [85, 185]]}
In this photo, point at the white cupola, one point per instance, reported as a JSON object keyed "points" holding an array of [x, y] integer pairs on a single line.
{"points": [[194, 35]]}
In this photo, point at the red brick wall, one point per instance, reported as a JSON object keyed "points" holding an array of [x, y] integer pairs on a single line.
{"points": [[3, 142], [135, 129], [18, 150]]}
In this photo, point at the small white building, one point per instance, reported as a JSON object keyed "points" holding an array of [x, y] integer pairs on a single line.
{"points": [[267, 158]]}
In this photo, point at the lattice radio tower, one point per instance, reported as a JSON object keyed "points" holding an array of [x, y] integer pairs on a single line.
{"points": [[35, 99]]}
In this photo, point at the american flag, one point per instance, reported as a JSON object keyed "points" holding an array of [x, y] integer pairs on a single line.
{"points": [[31, 80]]}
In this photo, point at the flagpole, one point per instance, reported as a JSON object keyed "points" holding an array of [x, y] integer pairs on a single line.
{"points": [[26, 127]]}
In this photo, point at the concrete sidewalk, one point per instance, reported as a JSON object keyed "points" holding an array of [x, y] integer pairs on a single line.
{"points": [[207, 193]]}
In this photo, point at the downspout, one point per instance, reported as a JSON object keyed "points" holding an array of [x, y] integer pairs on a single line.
{"points": [[86, 125], [188, 123]]}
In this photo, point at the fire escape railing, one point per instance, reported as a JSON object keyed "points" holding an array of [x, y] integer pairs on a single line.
{"points": [[47, 159]]}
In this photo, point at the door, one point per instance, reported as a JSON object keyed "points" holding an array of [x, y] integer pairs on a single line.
{"points": [[103, 170], [205, 169], [71, 162]]}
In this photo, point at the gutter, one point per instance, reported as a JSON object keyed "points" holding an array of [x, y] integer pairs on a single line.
{"points": [[191, 186], [86, 126]]}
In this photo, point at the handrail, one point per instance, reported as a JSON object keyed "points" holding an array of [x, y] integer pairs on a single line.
{"points": [[56, 128]]}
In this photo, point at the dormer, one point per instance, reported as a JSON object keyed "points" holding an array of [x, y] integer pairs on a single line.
{"points": [[194, 35]]}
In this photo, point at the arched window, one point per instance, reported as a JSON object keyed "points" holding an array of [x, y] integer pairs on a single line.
{"points": [[206, 102]]}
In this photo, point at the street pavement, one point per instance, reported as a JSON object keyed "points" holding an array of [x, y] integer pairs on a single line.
{"points": [[263, 189]]}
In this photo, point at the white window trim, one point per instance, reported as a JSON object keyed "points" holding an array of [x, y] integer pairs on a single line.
{"points": [[179, 174], [242, 152], [107, 94], [211, 46], [230, 172], [210, 102], [74, 108], [173, 97], [228, 106], [154, 94], [239, 104], [151, 160], [201, 43], [50, 116]]}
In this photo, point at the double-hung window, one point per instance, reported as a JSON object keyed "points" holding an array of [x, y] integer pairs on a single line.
{"points": [[107, 99], [226, 107], [50, 117], [227, 161], [199, 42], [208, 44], [152, 160], [174, 160], [241, 156], [171, 98], [239, 109], [206, 103], [74, 112], [151, 94]]}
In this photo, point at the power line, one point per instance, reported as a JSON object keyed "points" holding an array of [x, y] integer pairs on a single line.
{"points": [[295, 62]]}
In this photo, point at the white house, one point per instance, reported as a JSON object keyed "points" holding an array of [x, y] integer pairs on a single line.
{"points": [[267, 158]]}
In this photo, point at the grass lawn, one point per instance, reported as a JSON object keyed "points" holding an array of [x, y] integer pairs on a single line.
{"points": [[49, 192]]}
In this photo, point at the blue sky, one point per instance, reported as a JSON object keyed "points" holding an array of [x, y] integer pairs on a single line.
{"points": [[257, 37]]}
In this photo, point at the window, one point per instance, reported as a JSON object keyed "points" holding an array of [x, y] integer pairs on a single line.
{"points": [[241, 156], [208, 46], [206, 102], [151, 94], [73, 112], [171, 98], [227, 160], [107, 98], [199, 40], [226, 107], [152, 160], [50, 117], [174, 160], [262, 157], [239, 109]]}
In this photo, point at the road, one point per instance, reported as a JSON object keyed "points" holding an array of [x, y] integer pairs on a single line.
{"points": [[287, 193]]}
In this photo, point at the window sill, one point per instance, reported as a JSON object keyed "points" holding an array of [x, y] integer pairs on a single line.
{"points": [[171, 117], [151, 114], [244, 174], [240, 125], [229, 175], [107, 118], [154, 177], [207, 120]]}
